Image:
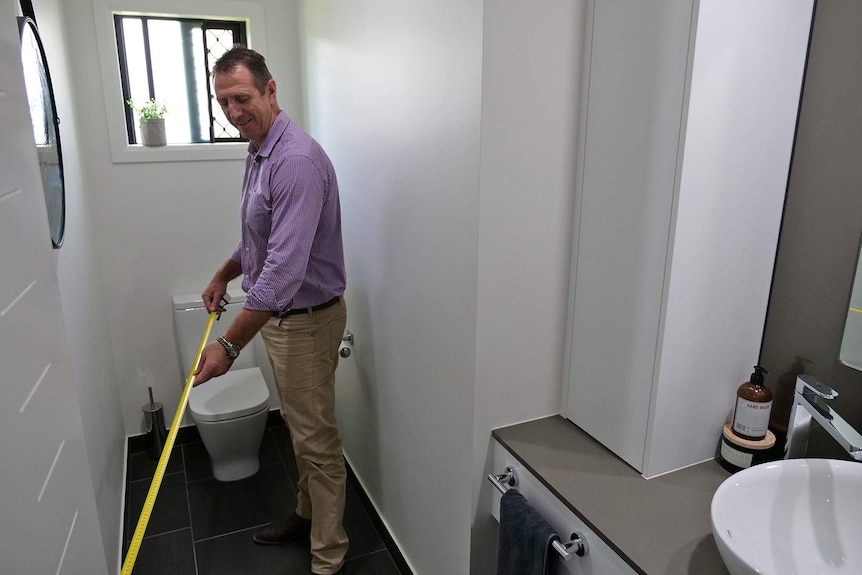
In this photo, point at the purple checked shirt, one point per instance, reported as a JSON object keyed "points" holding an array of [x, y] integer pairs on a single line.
{"points": [[291, 251]]}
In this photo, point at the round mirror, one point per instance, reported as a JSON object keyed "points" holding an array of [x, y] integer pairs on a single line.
{"points": [[46, 133]]}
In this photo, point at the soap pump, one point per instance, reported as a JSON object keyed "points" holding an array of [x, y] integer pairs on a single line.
{"points": [[753, 406]]}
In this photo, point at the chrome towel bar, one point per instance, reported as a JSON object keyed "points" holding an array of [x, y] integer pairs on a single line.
{"points": [[577, 542]]}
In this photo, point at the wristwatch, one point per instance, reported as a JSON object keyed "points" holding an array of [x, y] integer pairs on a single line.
{"points": [[231, 349]]}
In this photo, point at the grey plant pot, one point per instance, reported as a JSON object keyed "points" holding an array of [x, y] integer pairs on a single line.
{"points": [[153, 132]]}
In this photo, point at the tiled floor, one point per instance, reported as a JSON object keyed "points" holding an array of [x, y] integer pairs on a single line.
{"points": [[201, 526]]}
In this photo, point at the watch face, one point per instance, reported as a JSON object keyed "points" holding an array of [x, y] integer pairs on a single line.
{"points": [[231, 349]]}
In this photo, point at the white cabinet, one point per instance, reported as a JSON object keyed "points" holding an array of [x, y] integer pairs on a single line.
{"points": [[600, 558], [689, 118]]}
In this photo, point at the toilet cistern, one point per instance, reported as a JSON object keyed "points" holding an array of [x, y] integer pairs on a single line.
{"points": [[229, 411], [810, 399]]}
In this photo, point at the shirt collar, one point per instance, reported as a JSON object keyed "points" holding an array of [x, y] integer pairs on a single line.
{"points": [[275, 131]]}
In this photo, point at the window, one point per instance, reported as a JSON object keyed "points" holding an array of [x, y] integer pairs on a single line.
{"points": [[170, 59], [250, 17]]}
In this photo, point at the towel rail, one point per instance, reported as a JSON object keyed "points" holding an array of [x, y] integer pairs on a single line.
{"points": [[577, 541]]}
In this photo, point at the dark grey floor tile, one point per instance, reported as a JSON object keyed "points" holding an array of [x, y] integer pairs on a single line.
{"points": [[269, 453], [219, 507], [168, 554], [171, 511], [379, 563], [142, 467], [188, 434], [364, 538], [285, 448], [236, 554], [224, 516], [197, 460]]}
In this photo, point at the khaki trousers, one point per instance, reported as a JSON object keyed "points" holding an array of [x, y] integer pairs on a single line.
{"points": [[303, 351]]}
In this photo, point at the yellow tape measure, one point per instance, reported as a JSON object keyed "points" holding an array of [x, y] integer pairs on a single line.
{"points": [[150, 501]]}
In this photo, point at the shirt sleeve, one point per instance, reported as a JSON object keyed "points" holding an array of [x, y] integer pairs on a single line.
{"points": [[296, 195]]}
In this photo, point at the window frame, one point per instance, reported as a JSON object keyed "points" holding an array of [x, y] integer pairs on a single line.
{"points": [[239, 32], [115, 108]]}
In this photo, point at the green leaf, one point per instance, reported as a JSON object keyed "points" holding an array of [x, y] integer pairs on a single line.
{"points": [[149, 110]]}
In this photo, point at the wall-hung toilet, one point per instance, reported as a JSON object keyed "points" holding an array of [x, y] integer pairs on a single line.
{"points": [[229, 411]]}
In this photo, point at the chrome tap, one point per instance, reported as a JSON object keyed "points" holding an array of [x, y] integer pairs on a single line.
{"points": [[810, 402]]}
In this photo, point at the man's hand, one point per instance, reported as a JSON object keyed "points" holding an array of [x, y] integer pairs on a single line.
{"points": [[218, 286], [213, 363], [212, 296]]}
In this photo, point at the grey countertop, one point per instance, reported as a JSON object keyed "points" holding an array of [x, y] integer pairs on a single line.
{"points": [[660, 526]]}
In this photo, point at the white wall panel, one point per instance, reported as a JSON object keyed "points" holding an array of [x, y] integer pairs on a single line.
{"points": [[394, 96], [43, 484], [531, 71], [82, 291]]}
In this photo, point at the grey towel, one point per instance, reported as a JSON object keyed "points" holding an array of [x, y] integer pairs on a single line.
{"points": [[524, 545]]}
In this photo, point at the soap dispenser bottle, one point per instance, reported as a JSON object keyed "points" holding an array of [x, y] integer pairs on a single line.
{"points": [[753, 406]]}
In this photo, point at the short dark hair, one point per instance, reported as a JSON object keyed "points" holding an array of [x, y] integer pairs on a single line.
{"points": [[254, 62]]}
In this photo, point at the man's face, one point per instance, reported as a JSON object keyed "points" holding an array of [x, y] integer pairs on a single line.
{"points": [[251, 112]]}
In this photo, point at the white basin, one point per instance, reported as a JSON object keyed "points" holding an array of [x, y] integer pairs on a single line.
{"points": [[791, 517]]}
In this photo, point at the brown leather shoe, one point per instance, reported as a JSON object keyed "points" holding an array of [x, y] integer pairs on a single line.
{"points": [[291, 529]]}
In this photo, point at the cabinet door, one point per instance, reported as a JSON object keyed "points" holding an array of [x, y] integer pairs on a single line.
{"points": [[635, 81], [686, 153]]}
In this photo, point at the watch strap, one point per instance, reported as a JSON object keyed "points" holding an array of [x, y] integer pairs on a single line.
{"points": [[231, 349]]}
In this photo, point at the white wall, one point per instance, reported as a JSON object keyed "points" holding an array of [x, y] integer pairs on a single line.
{"points": [[532, 60], [457, 274], [131, 243], [82, 296], [51, 521], [394, 97], [162, 228]]}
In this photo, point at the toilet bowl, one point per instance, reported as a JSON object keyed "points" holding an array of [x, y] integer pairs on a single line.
{"points": [[229, 411]]}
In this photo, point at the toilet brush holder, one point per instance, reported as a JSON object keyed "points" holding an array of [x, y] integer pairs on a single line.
{"points": [[157, 435]]}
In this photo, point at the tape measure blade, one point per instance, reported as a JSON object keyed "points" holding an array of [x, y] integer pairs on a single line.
{"points": [[158, 476]]}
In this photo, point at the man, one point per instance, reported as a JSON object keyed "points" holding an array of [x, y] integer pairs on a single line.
{"points": [[292, 262]]}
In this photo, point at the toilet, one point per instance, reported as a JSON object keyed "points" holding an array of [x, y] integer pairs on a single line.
{"points": [[229, 411]]}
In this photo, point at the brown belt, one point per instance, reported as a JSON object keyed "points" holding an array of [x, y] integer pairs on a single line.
{"points": [[297, 311]]}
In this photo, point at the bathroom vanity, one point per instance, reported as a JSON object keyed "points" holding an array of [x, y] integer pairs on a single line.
{"points": [[658, 526]]}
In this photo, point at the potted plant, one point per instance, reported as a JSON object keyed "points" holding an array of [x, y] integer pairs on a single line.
{"points": [[152, 117]]}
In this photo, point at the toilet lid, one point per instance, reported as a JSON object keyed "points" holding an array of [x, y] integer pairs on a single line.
{"points": [[234, 394]]}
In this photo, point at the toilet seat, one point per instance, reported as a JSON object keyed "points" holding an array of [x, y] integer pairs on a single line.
{"points": [[230, 396]]}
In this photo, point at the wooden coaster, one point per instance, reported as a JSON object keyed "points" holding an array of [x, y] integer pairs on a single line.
{"points": [[758, 445]]}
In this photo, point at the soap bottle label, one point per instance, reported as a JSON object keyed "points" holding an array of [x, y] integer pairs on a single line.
{"points": [[751, 418]]}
